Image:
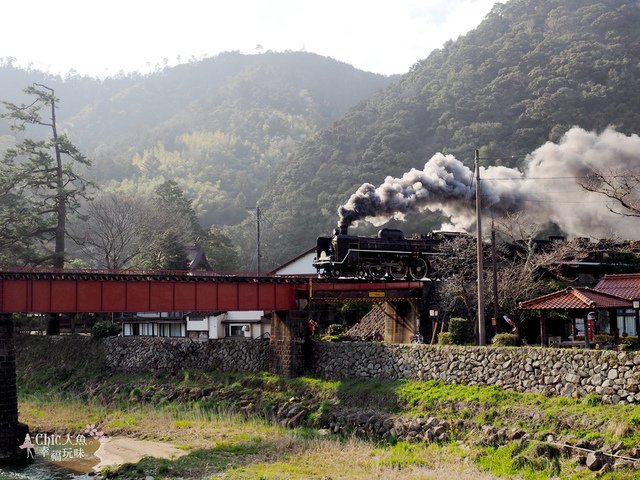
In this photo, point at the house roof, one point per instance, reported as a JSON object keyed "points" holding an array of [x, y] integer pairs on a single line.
{"points": [[197, 258], [577, 298], [294, 259], [624, 285]]}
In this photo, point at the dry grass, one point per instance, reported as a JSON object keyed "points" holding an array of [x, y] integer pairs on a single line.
{"points": [[619, 428], [354, 459], [273, 453]]}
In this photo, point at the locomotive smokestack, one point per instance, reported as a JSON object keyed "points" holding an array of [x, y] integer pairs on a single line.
{"points": [[547, 190]]}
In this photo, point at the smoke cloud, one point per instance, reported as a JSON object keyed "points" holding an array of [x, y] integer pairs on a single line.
{"points": [[548, 189]]}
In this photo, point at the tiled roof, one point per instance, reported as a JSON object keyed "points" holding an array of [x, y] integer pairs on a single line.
{"points": [[625, 285], [575, 298]]}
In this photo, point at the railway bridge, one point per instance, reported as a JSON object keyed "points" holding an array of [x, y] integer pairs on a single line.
{"points": [[50, 291]]}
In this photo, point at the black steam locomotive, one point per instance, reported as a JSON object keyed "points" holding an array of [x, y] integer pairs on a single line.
{"points": [[389, 254]]}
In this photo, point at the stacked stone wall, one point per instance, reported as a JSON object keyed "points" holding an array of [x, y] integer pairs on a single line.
{"points": [[131, 354], [612, 375]]}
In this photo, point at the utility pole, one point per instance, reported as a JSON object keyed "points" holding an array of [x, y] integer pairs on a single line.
{"points": [[481, 325], [258, 254]]}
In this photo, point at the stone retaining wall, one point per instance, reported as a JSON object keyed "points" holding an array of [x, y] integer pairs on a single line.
{"points": [[166, 354], [612, 375]]}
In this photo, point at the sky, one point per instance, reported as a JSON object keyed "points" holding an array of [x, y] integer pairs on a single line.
{"points": [[106, 37]]}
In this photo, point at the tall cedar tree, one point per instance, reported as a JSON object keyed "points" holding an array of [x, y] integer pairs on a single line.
{"points": [[42, 180], [42, 173]]}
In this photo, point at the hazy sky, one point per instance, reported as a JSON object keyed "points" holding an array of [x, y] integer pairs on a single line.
{"points": [[101, 38]]}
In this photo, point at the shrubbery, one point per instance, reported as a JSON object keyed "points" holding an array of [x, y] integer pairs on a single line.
{"points": [[336, 333], [104, 329], [506, 340], [629, 343], [603, 338], [458, 328]]}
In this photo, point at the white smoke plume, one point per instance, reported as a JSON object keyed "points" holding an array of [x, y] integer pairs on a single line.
{"points": [[548, 189]]}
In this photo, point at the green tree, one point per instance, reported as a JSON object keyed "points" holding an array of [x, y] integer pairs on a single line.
{"points": [[44, 175], [168, 227], [221, 251], [19, 224], [171, 198], [170, 252]]}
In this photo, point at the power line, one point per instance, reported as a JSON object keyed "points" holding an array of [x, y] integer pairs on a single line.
{"points": [[484, 179]]}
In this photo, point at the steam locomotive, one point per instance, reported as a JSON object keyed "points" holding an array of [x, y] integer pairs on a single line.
{"points": [[388, 255]]}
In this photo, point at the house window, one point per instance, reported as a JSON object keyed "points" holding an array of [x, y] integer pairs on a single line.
{"points": [[235, 330], [176, 330], [163, 329], [627, 321]]}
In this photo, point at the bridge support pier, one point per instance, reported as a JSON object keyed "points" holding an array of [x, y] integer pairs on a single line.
{"points": [[12, 433], [400, 322], [290, 343]]}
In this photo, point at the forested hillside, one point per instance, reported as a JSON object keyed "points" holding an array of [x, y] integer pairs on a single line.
{"points": [[217, 126], [530, 71]]}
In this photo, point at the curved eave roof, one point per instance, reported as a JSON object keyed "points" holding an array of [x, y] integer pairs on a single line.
{"points": [[575, 298]]}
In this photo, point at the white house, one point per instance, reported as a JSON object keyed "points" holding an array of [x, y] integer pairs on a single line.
{"points": [[153, 324], [243, 324], [213, 325], [300, 265]]}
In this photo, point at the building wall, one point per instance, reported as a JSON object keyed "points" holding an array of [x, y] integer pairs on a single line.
{"points": [[300, 266]]}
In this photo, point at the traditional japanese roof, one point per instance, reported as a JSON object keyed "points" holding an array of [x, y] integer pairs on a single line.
{"points": [[625, 285], [575, 298]]}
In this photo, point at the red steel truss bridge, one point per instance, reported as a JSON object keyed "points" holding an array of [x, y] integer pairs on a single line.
{"points": [[31, 290]]}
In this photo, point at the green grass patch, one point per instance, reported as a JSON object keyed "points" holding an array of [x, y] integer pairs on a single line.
{"points": [[200, 463], [403, 454]]}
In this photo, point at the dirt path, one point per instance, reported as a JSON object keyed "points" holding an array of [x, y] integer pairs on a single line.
{"points": [[120, 450]]}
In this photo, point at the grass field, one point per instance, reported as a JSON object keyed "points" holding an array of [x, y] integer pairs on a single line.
{"points": [[222, 420]]}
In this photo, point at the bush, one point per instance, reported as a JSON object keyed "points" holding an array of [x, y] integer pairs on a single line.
{"points": [[629, 342], [341, 337], [603, 338], [458, 328], [336, 329], [444, 338], [105, 329], [506, 340]]}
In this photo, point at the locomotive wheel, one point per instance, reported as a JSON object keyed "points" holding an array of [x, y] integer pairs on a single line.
{"points": [[336, 273], [418, 269], [398, 272], [377, 272], [361, 273]]}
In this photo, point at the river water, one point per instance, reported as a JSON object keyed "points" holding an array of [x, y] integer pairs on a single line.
{"points": [[76, 464]]}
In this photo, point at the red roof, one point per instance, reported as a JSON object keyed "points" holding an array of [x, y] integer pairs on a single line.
{"points": [[575, 298], [625, 285]]}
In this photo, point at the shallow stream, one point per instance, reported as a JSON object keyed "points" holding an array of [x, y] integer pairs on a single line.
{"points": [[56, 462]]}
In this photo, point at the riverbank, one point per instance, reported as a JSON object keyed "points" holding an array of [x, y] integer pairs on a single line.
{"points": [[235, 425], [232, 446]]}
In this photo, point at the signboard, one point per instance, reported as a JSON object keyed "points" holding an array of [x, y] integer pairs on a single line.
{"points": [[376, 294]]}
